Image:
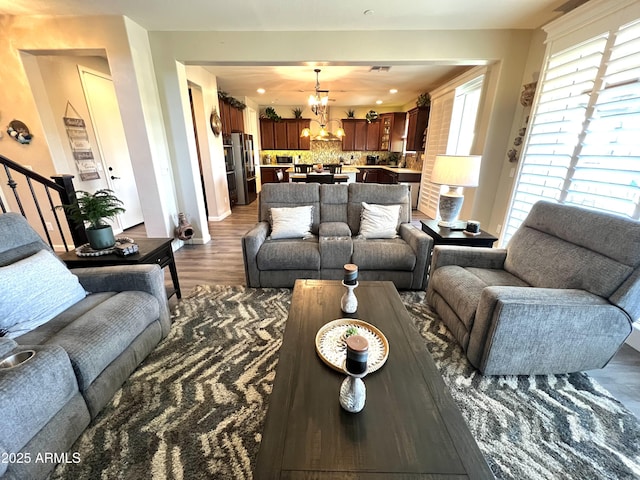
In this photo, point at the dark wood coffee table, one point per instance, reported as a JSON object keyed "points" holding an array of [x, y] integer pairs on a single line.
{"points": [[410, 427]]}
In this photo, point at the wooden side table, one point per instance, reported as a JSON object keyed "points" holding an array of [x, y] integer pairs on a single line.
{"points": [[150, 251], [446, 236]]}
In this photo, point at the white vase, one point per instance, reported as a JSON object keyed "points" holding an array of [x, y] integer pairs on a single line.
{"points": [[353, 394], [349, 302]]}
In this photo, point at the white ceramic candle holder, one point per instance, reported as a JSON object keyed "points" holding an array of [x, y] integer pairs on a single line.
{"points": [[349, 302]]}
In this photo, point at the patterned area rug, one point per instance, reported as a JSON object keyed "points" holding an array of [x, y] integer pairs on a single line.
{"points": [[195, 408]]}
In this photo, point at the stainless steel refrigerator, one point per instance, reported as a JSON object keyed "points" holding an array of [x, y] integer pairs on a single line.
{"points": [[245, 169]]}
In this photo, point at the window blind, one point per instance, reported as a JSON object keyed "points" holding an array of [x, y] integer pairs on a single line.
{"points": [[437, 139], [583, 146]]}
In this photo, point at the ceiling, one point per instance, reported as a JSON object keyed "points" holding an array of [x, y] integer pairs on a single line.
{"points": [[351, 85]]}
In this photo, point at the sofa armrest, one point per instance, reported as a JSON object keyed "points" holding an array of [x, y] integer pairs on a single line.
{"points": [[147, 278], [526, 330], [421, 243], [479, 257], [251, 243]]}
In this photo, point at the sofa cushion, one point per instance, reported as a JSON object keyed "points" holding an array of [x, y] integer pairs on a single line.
{"points": [[100, 335], [289, 254], [291, 222], [333, 202], [379, 221], [378, 194], [290, 195], [38, 288], [462, 287], [383, 254], [546, 261]]}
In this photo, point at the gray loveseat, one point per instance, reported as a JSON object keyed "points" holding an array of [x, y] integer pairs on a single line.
{"points": [[337, 211], [560, 298], [82, 355]]}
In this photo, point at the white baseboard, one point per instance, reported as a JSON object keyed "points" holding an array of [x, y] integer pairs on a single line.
{"points": [[219, 217], [634, 339]]}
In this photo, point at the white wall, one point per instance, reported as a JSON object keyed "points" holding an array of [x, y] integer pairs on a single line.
{"points": [[128, 55]]}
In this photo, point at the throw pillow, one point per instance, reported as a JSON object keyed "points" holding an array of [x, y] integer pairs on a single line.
{"points": [[35, 290], [291, 222], [379, 221]]}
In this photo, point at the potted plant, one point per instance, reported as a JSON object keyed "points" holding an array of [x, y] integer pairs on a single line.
{"points": [[297, 112], [351, 113], [94, 208]]}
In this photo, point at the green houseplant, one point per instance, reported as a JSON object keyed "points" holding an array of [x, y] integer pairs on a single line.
{"points": [[94, 208], [297, 112]]}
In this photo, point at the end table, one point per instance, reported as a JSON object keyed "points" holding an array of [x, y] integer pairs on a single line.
{"points": [[446, 236], [150, 250]]}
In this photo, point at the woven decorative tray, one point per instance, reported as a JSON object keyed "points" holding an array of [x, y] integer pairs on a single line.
{"points": [[86, 250], [332, 347]]}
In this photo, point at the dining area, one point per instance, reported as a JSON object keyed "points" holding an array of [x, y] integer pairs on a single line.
{"points": [[318, 173]]}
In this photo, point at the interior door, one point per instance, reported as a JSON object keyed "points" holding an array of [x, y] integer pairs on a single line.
{"points": [[112, 144]]}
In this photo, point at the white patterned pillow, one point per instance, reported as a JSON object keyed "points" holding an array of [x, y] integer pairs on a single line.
{"points": [[379, 221], [291, 222], [34, 290]]}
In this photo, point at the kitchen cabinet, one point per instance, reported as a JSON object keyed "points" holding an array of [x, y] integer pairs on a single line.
{"points": [[418, 123], [280, 134], [267, 135], [284, 134], [360, 135], [391, 131], [373, 136], [232, 118], [386, 174]]}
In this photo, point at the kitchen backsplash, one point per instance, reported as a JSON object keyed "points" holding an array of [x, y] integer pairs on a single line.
{"points": [[331, 152]]}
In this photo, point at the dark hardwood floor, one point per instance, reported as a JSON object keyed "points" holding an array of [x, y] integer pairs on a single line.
{"points": [[220, 263]]}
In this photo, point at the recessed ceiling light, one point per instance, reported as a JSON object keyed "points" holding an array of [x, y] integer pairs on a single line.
{"points": [[393, 90], [378, 102], [261, 91], [368, 12]]}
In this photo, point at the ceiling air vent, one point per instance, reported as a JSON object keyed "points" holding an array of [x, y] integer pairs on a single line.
{"points": [[379, 68]]}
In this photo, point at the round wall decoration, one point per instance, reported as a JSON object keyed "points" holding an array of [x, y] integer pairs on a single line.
{"points": [[216, 123], [371, 116], [19, 132]]}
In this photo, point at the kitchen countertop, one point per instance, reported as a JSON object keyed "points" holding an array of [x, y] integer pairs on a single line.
{"points": [[389, 168], [348, 168]]}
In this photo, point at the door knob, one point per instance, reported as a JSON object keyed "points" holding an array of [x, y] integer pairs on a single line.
{"points": [[114, 178]]}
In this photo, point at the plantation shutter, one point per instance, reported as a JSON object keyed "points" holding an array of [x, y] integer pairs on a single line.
{"points": [[583, 146], [437, 139]]}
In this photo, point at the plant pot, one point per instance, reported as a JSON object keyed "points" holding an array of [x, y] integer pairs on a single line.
{"points": [[101, 237]]}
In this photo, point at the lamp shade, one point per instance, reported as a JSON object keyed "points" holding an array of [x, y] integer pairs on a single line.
{"points": [[456, 170]]}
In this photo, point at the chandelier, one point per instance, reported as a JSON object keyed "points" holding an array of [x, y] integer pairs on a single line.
{"points": [[319, 104], [319, 101]]}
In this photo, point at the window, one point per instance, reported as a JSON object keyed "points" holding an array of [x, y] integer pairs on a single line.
{"points": [[451, 131], [583, 146]]}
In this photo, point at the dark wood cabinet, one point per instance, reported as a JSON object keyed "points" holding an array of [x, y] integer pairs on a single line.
{"points": [[418, 123], [360, 135], [373, 136], [284, 134], [349, 139], [267, 135], [392, 127], [232, 118]]}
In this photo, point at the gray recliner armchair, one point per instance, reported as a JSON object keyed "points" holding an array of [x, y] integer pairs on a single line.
{"points": [[562, 297]]}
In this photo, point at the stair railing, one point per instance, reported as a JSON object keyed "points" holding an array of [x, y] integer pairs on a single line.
{"points": [[61, 184]]}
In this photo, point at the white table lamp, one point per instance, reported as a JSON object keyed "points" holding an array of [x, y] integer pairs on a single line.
{"points": [[455, 171]]}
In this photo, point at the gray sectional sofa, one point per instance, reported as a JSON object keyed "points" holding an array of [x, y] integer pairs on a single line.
{"points": [[82, 355], [334, 238]]}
